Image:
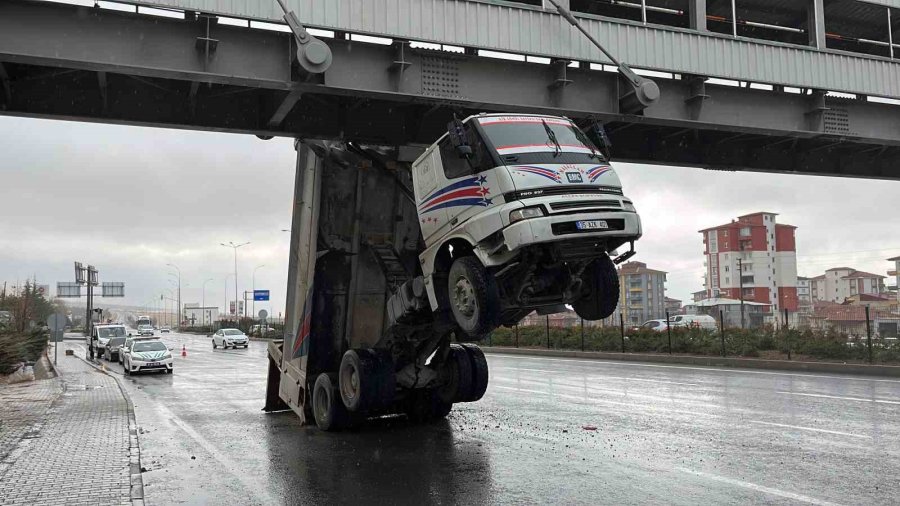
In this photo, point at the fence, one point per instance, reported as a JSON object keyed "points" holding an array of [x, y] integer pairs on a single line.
{"points": [[247, 325], [789, 337]]}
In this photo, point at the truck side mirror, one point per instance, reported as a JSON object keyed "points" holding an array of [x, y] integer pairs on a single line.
{"points": [[597, 135], [458, 138]]}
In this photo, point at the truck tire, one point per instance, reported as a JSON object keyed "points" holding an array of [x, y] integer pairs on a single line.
{"points": [[328, 409], [480, 375], [366, 379], [474, 299], [602, 283], [459, 386]]}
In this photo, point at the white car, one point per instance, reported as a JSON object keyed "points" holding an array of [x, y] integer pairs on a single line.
{"points": [[145, 330], [230, 337], [702, 321], [146, 355], [101, 336], [657, 325]]}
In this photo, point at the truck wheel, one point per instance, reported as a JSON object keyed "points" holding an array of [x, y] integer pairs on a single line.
{"points": [[459, 386], [473, 297], [479, 372], [356, 378], [601, 282], [329, 411]]}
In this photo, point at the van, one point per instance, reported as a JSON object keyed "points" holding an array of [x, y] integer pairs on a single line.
{"points": [[702, 321]]}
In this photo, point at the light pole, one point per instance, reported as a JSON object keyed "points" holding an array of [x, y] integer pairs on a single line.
{"points": [[253, 313], [225, 308], [203, 297], [235, 247], [179, 292]]}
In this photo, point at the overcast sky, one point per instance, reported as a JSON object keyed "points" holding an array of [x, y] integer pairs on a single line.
{"points": [[130, 200]]}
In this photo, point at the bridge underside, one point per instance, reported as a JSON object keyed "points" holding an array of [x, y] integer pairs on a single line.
{"points": [[76, 63]]}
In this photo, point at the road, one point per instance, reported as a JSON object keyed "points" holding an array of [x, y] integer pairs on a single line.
{"points": [[664, 434]]}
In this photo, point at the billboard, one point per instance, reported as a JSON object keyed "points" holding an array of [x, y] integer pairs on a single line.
{"points": [[112, 289], [66, 289]]}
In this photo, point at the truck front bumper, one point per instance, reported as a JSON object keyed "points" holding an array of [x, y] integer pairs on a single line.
{"points": [[562, 227]]}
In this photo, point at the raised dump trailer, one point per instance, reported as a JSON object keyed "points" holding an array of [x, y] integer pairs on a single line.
{"points": [[361, 338]]}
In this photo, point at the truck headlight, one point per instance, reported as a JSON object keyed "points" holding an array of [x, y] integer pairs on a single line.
{"points": [[525, 213], [628, 206]]}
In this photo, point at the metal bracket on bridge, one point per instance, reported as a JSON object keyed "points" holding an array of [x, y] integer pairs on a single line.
{"points": [[207, 45], [313, 55], [697, 94], [643, 92], [560, 74], [399, 65]]}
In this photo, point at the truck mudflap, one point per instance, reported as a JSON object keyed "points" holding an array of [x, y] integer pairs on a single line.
{"points": [[273, 401]]}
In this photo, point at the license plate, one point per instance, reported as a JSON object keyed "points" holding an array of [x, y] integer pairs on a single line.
{"points": [[153, 364], [591, 225]]}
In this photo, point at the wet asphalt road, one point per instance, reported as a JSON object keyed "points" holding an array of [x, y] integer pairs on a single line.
{"points": [[665, 435]]}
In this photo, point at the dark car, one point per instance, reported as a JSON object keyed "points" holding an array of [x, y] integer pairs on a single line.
{"points": [[113, 349]]}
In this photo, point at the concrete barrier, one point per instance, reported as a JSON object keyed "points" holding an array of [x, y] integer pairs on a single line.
{"points": [[737, 363]]}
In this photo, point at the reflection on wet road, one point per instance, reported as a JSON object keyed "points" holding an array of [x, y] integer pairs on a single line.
{"points": [[664, 434]]}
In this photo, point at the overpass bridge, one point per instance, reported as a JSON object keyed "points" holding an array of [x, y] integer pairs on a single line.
{"points": [[807, 86]]}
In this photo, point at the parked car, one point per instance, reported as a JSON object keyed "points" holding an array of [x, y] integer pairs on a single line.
{"points": [[114, 349], [657, 325], [147, 355], [702, 321], [127, 344], [257, 330], [230, 337]]}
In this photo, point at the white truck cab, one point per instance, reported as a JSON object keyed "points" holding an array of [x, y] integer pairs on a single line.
{"points": [[519, 213]]}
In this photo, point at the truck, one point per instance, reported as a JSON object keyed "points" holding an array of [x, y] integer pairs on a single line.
{"points": [[398, 268]]}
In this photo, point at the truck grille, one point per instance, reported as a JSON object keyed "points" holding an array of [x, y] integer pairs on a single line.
{"points": [[549, 191], [569, 227], [561, 206], [579, 250]]}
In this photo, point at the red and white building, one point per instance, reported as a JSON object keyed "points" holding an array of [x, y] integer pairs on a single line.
{"points": [[754, 252]]}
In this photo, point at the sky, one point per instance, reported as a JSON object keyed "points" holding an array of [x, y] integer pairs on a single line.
{"points": [[130, 200]]}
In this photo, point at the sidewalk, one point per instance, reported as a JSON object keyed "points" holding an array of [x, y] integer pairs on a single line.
{"points": [[78, 446]]}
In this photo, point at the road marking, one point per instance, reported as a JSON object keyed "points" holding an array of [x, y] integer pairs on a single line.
{"points": [[665, 382], [583, 400], [690, 368], [759, 488], [857, 399], [811, 429]]}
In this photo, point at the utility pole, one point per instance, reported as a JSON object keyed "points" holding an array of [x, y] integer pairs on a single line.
{"points": [[179, 294], [741, 275], [235, 247]]}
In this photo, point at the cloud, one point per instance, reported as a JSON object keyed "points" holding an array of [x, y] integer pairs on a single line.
{"points": [[130, 200]]}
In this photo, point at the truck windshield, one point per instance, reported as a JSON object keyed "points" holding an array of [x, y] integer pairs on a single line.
{"points": [[528, 139]]}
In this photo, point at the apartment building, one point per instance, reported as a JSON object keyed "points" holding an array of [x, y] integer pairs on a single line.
{"points": [[754, 258], [643, 292], [896, 274], [840, 283]]}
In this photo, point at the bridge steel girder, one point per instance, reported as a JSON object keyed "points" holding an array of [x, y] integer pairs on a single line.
{"points": [[52, 53]]}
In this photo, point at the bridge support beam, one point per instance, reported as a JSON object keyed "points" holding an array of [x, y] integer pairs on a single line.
{"points": [[697, 13], [816, 24]]}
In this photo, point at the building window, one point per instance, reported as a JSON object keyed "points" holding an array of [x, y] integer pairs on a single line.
{"points": [[726, 268], [745, 231]]}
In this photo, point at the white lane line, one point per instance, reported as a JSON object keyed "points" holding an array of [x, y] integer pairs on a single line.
{"points": [[856, 399], [689, 368], [759, 488], [603, 376], [811, 429], [630, 405]]}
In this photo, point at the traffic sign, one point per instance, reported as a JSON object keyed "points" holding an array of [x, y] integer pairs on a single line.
{"points": [[56, 322], [263, 314], [260, 295]]}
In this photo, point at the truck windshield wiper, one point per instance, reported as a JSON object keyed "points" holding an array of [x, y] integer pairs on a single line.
{"points": [[552, 136]]}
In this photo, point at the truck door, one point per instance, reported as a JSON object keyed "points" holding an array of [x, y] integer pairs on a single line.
{"points": [[469, 186]]}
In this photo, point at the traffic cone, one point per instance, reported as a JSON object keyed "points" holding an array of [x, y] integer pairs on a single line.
{"points": [[183, 351]]}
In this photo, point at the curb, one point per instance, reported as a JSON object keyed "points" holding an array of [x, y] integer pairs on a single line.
{"points": [[134, 449], [737, 363]]}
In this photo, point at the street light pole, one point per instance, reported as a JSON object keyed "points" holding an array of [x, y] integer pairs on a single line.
{"points": [[235, 247], [741, 275], [179, 293], [253, 313], [203, 297]]}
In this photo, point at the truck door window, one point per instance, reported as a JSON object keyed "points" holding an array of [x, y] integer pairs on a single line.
{"points": [[456, 166]]}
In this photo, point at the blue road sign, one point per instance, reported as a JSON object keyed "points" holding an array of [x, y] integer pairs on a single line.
{"points": [[260, 295]]}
